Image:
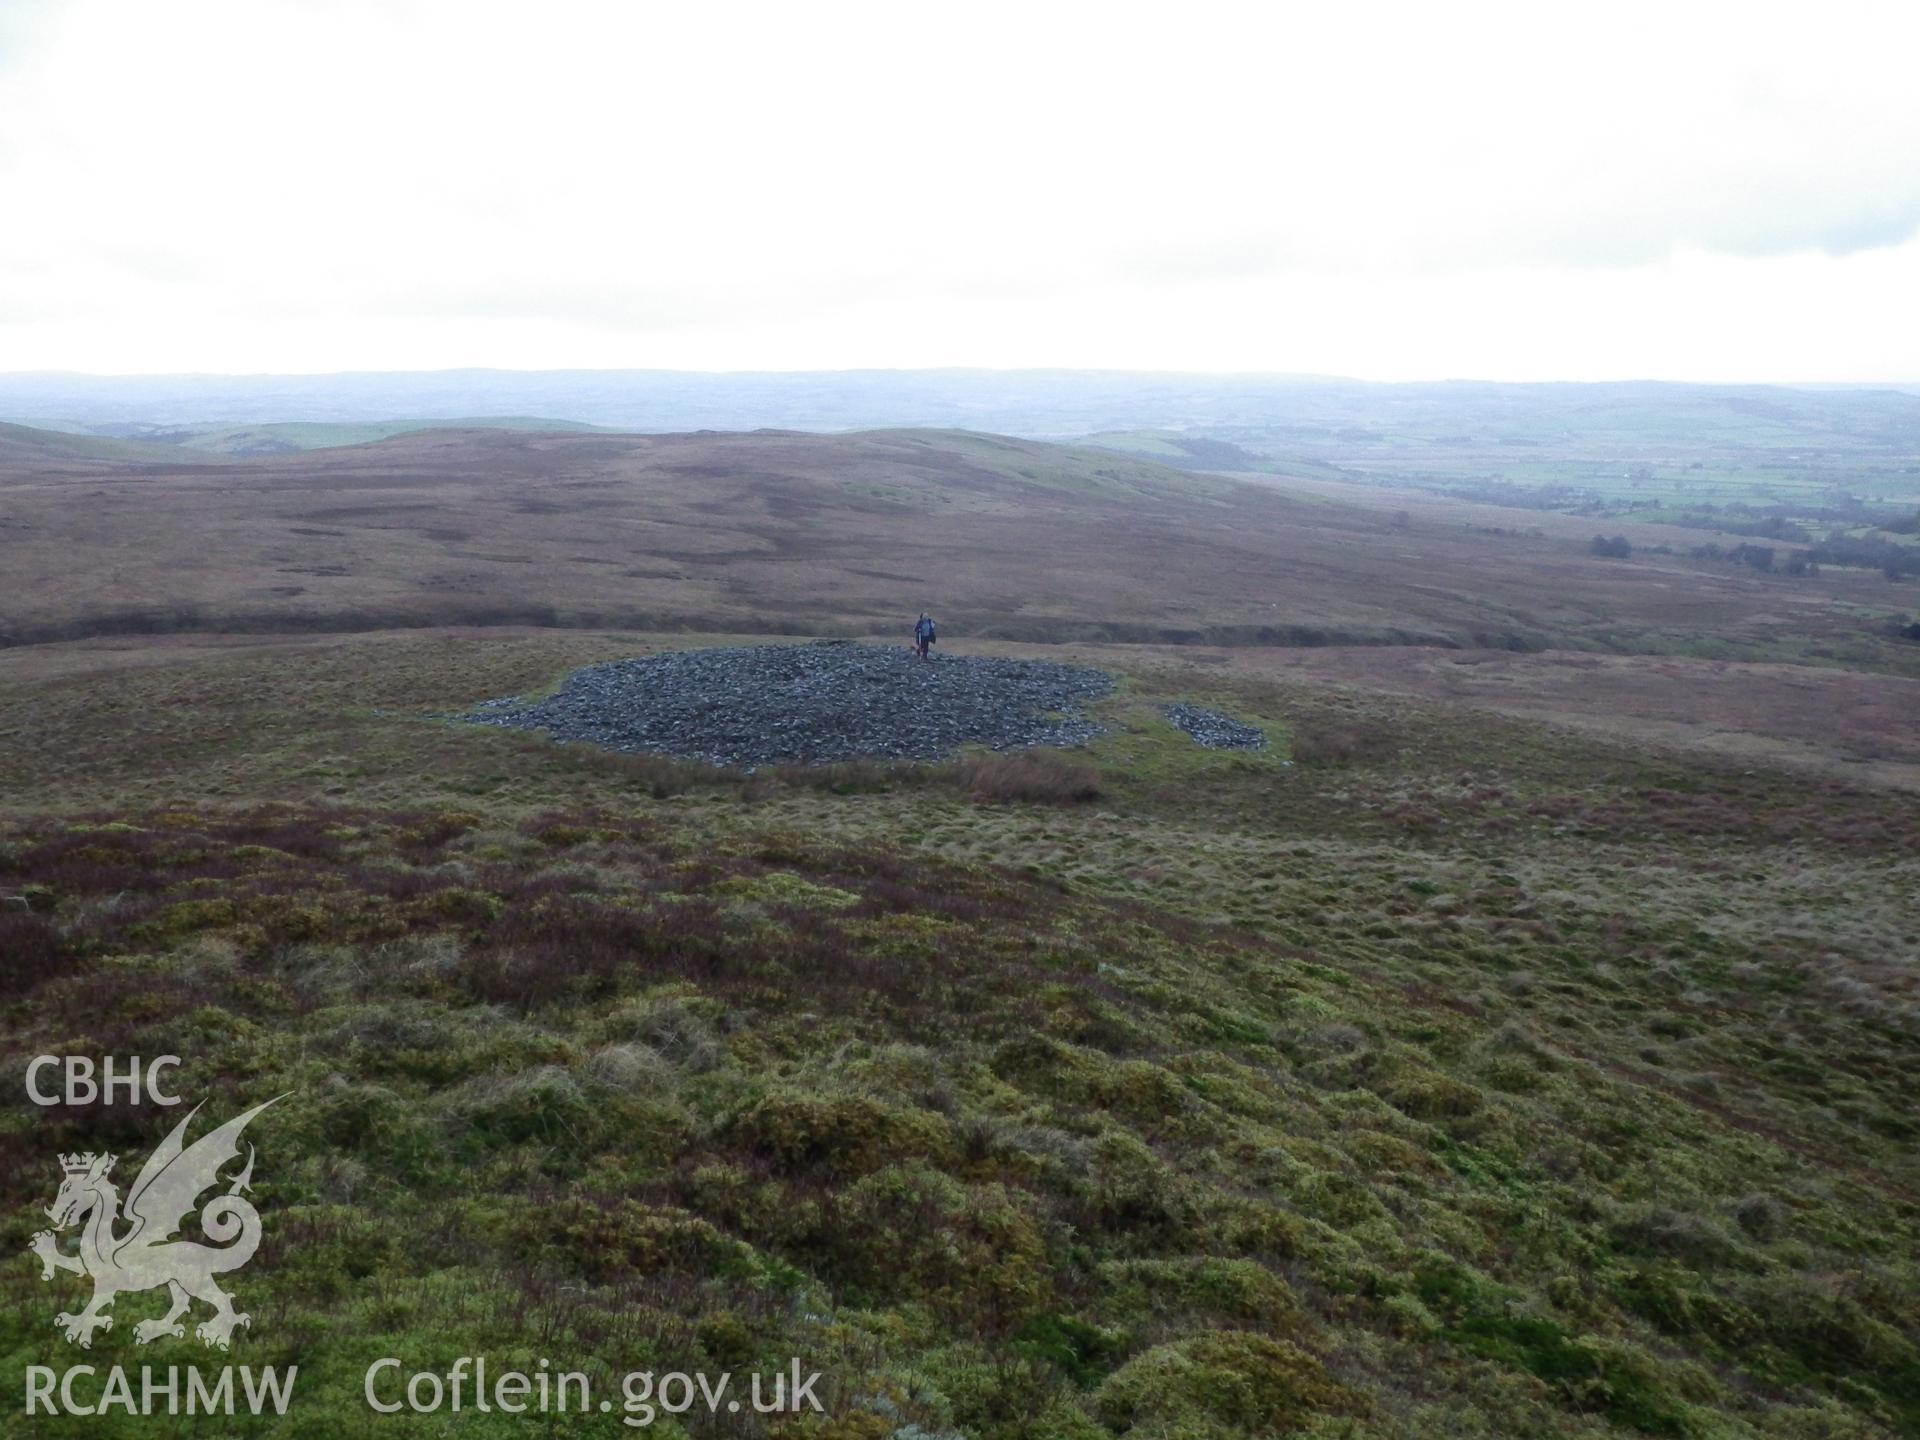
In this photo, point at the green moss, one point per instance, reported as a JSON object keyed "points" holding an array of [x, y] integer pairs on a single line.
{"points": [[457, 907], [1003, 1116], [968, 1251], [1428, 1095], [782, 887], [1084, 1353], [187, 917], [1221, 1382], [612, 1238], [1584, 1375], [847, 1134], [1219, 1290]]}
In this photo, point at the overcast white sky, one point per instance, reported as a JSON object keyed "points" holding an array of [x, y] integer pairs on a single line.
{"points": [[1540, 191]]}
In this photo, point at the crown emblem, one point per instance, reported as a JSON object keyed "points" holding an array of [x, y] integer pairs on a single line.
{"points": [[80, 1164]]}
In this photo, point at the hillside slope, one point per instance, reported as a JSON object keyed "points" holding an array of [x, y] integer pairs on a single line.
{"points": [[286, 437], [821, 534], [1428, 1076], [28, 450]]}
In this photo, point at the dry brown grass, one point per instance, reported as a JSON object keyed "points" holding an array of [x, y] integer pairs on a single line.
{"points": [[1044, 777], [822, 534], [1808, 717], [1324, 740]]}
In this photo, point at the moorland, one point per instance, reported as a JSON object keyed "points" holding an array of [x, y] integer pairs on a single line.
{"points": [[1522, 1043]]}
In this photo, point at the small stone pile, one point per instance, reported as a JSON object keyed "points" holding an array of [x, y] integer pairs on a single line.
{"points": [[1214, 730]]}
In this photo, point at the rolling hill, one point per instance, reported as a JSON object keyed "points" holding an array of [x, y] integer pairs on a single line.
{"points": [[781, 531], [30, 450], [286, 437], [1517, 1043], [1037, 403]]}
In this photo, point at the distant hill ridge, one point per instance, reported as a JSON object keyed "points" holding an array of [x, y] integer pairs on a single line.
{"points": [[279, 438], [779, 532], [1034, 403]]}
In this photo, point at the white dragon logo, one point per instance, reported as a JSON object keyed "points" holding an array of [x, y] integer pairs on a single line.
{"points": [[146, 1255]]}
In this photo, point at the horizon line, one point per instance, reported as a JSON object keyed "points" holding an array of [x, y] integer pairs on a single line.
{"points": [[1271, 376]]}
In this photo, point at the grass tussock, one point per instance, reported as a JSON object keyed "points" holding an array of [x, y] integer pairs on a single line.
{"points": [[1503, 1083], [1332, 740], [1081, 1167], [1037, 777]]}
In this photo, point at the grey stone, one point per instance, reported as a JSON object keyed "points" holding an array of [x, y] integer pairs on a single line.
{"points": [[755, 705], [1214, 730]]}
